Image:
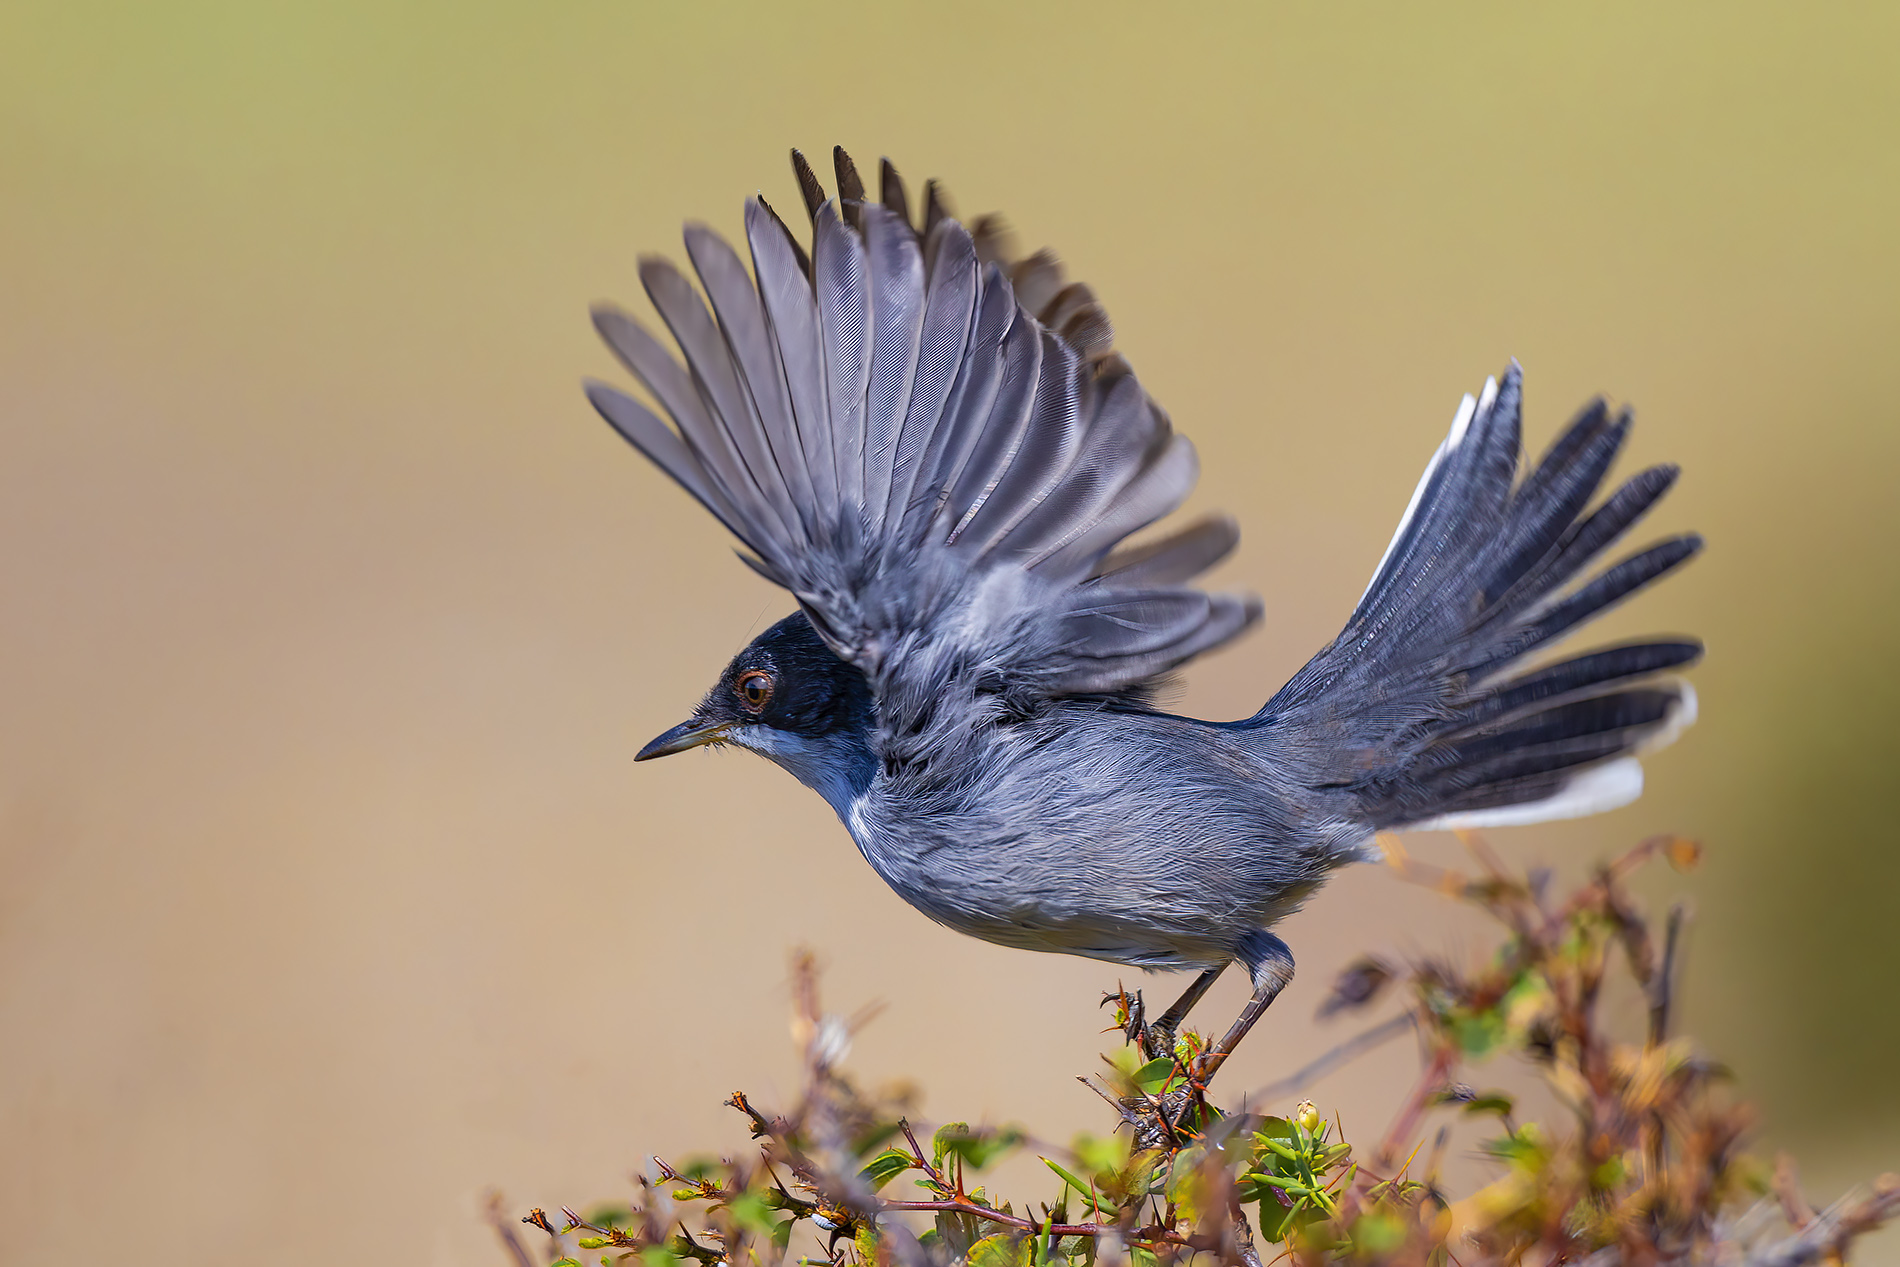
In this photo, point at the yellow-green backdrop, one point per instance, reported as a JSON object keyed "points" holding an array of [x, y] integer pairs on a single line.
{"points": [[333, 617]]}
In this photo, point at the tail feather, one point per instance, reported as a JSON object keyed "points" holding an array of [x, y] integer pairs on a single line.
{"points": [[1567, 679], [1540, 798], [1544, 510], [1580, 543], [1610, 588], [1552, 731], [1418, 711], [1530, 767]]}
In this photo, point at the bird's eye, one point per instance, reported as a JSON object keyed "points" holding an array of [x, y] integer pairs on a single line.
{"points": [[755, 690]]}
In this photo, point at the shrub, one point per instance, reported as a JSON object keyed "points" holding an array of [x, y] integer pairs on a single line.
{"points": [[1646, 1166]]}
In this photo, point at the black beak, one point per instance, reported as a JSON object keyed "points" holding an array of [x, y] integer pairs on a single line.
{"points": [[688, 734]]}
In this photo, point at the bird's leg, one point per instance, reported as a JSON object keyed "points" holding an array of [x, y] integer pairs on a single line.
{"points": [[1158, 1038], [1271, 964]]}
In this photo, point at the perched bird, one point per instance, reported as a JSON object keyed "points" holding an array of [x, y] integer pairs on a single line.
{"points": [[936, 450]]}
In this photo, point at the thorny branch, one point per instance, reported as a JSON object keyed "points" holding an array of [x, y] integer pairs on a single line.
{"points": [[1348, 1051], [1828, 1234], [1650, 1171]]}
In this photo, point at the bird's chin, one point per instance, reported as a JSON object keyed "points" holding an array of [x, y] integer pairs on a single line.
{"points": [[838, 766]]}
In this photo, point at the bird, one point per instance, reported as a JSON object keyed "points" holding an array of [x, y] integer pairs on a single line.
{"points": [[936, 449]]}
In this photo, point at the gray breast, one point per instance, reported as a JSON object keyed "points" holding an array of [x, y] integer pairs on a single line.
{"points": [[1134, 838]]}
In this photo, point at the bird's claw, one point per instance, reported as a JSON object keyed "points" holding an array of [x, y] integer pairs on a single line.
{"points": [[1157, 1040], [1154, 1039]]}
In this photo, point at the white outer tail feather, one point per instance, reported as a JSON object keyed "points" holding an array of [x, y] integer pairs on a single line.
{"points": [[1596, 790], [1468, 408]]}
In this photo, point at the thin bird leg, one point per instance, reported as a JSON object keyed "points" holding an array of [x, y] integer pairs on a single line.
{"points": [[1271, 964], [1262, 1000], [1170, 1021]]}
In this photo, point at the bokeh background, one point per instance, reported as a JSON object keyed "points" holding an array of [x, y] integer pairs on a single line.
{"points": [[329, 895]]}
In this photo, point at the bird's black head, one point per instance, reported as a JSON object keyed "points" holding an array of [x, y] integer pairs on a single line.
{"points": [[788, 697]]}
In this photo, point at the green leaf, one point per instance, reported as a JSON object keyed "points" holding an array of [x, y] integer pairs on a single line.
{"points": [[1082, 1189], [939, 1141], [1276, 1217], [1477, 1034], [1526, 1149], [874, 1136], [1100, 1156], [751, 1211], [959, 1232], [1079, 1185], [566, 1262], [885, 1167], [1154, 1075], [979, 1148], [592, 1242], [1277, 1128], [1280, 1150], [1377, 1235], [782, 1234], [1001, 1250], [612, 1214], [1491, 1102], [1039, 1245]]}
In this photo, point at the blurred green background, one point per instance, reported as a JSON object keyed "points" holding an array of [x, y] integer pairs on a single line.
{"points": [[334, 617]]}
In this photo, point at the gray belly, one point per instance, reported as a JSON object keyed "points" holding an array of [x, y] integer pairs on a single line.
{"points": [[1153, 855]]}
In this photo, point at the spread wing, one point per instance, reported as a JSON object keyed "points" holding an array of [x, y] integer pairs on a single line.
{"points": [[937, 475]]}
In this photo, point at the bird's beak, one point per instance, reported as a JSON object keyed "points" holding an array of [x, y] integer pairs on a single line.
{"points": [[688, 734]]}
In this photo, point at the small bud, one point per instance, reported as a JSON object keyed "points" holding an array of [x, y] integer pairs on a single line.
{"points": [[1684, 854], [1307, 1116], [1357, 985]]}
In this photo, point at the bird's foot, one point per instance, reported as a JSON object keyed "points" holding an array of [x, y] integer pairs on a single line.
{"points": [[1154, 1039]]}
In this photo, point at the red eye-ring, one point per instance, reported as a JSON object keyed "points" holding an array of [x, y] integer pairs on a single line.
{"points": [[755, 690]]}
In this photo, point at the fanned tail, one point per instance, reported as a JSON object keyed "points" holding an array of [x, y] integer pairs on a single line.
{"points": [[1423, 697]]}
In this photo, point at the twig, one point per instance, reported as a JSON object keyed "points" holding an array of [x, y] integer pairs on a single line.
{"points": [[1486, 857], [1415, 1104], [935, 1176], [1327, 1062], [1662, 989], [1787, 1190], [760, 1126], [1028, 1225], [492, 1206], [1829, 1233], [1242, 1233], [706, 1188]]}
